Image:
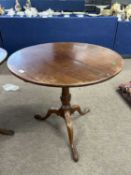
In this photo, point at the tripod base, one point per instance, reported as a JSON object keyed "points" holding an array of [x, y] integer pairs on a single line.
{"points": [[65, 112]]}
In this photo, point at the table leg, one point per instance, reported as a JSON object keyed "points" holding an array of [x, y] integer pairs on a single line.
{"points": [[65, 112], [69, 125], [6, 132], [77, 108], [50, 111]]}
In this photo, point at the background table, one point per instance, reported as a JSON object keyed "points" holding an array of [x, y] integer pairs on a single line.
{"points": [[65, 65], [3, 56], [17, 33], [123, 38]]}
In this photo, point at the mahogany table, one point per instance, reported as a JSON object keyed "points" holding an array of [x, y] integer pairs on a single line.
{"points": [[3, 56], [65, 65]]}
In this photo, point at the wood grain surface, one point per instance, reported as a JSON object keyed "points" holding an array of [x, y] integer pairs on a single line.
{"points": [[65, 64]]}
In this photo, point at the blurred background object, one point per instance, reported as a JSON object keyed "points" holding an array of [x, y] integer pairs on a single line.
{"points": [[96, 6]]}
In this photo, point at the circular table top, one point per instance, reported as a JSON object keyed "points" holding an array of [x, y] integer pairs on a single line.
{"points": [[3, 55], [65, 64]]}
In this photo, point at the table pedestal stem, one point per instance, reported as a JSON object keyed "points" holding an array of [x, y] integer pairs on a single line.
{"points": [[65, 112]]}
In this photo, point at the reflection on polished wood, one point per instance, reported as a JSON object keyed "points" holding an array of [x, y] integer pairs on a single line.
{"points": [[3, 56], [65, 65]]}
